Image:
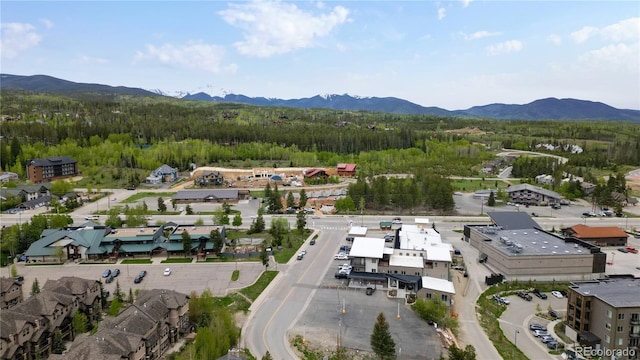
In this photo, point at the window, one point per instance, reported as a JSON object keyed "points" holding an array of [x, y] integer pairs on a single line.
{"points": [[608, 314], [620, 329], [607, 339], [620, 316], [607, 326]]}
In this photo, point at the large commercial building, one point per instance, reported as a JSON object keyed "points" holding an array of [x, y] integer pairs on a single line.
{"points": [[605, 314], [516, 246]]}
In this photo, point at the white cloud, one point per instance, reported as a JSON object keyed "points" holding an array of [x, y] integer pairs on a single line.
{"points": [[628, 29], [272, 28], [194, 55], [17, 37], [466, 3], [618, 55], [480, 34], [584, 34], [47, 23], [442, 12], [555, 39], [504, 47]]}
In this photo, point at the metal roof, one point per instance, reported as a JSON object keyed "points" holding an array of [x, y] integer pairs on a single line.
{"points": [[512, 220]]}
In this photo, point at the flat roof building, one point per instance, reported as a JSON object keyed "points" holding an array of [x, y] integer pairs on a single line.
{"points": [[520, 249], [605, 313]]}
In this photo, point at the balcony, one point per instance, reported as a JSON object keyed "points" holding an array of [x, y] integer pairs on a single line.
{"points": [[635, 321]]}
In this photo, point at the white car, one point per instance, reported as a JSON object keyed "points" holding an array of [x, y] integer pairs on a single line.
{"points": [[341, 256], [167, 272], [557, 294], [303, 252], [92, 217], [345, 267]]}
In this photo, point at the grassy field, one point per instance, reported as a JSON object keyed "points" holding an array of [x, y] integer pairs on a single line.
{"points": [[142, 195], [253, 291]]}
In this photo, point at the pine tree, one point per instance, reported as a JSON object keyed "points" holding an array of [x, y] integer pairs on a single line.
{"points": [[381, 341], [35, 287], [492, 200], [302, 202]]}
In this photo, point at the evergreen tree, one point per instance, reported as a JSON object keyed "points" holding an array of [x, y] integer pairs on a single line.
{"points": [[161, 205], [117, 293], [57, 344], [264, 257], [216, 240], [302, 202], [79, 323], [492, 200], [35, 287], [130, 297], [301, 221], [267, 356], [186, 243], [381, 341], [291, 201]]}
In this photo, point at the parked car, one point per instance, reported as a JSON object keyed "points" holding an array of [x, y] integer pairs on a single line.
{"points": [[345, 248], [554, 314], [303, 252], [312, 242], [397, 220], [547, 338], [106, 273], [138, 279], [131, 187], [557, 294], [534, 326], [623, 250], [341, 256], [539, 333], [350, 238], [632, 250], [19, 278], [539, 294], [300, 256], [143, 273], [342, 274], [92, 217], [167, 272], [109, 280], [370, 290], [524, 295], [345, 267], [115, 273]]}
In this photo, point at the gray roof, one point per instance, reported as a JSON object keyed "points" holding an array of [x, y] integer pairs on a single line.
{"points": [[164, 170], [527, 242], [206, 194], [54, 160], [615, 292], [547, 193], [512, 220]]}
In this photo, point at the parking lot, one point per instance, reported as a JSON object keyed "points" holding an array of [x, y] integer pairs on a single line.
{"points": [[324, 318]]}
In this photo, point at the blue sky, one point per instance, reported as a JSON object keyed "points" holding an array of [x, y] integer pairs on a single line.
{"points": [[451, 54]]}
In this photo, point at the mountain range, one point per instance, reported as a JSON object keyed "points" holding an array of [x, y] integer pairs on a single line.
{"points": [[543, 109]]}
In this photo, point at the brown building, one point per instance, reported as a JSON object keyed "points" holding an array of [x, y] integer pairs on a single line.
{"points": [[51, 169], [600, 235], [10, 293], [346, 169], [144, 331], [605, 314], [27, 329]]}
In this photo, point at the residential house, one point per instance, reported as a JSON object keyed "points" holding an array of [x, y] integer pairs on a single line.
{"points": [[605, 314], [8, 176], [532, 195], [597, 235], [315, 173], [156, 320], [27, 329], [346, 170], [10, 292], [51, 169], [210, 178], [163, 174]]}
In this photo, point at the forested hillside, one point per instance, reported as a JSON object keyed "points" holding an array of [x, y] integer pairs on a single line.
{"points": [[120, 138]]}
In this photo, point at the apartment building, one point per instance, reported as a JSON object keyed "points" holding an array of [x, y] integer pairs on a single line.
{"points": [[605, 314], [10, 293], [51, 169], [145, 330], [27, 329]]}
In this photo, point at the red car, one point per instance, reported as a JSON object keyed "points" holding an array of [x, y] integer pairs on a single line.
{"points": [[632, 250]]}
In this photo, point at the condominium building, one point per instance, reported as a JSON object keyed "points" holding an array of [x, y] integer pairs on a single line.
{"points": [[51, 169], [605, 314]]}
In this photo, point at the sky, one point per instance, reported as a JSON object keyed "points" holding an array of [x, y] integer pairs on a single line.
{"points": [[449, 54]]}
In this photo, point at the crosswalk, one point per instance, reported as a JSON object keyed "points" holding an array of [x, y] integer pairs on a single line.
{"points": [[342, 228]]}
